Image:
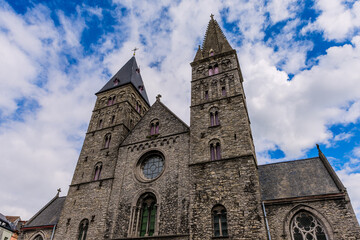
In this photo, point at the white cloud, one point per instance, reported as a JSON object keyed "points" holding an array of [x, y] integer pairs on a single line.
{"points": [[338, 19]]}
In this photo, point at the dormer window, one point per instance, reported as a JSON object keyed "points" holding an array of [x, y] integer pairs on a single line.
{"points": [[116, 82], [138, 70]]}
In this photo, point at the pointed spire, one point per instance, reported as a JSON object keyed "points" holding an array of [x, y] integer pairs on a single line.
{"points": [[198, 55], [214, 42]]}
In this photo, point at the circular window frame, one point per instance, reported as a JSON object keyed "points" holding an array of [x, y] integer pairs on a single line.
{"points": [[138, 168]]}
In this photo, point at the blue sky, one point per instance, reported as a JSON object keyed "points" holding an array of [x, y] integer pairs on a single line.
{"points": [[300, 62]]}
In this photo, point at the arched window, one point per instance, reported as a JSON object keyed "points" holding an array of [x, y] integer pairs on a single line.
{"points": [[215, 150], [83, 227], [38, 237], [100, 123], [214, 117], [304, 226], [111, 100], [107, 140], [211, 71], [220, 221], [154, 127], [97, 171], [216, 68], [148, 209]]}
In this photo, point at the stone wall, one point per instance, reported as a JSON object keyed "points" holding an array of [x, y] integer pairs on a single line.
{"points": [[88, 197], [234, 185], [170, 188], [336, 215]]}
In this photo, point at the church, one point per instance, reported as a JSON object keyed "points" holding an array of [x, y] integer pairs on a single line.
{"points": [[143, 173]]}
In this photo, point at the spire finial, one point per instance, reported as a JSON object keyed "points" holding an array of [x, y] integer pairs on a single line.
{"points": [[58, 191], [212, 16], [134, 50], [158, 97]]}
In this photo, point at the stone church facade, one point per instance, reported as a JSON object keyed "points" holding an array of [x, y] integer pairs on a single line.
{"points": [[144, 174]]}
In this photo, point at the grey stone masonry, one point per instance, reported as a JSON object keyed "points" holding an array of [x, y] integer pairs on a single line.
{"points": [[170, 188], [116, 112]]}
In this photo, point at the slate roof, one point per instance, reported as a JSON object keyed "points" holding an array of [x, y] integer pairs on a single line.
{"points": [[298, 178], [129, 73], [214, 39], [48, 215]]}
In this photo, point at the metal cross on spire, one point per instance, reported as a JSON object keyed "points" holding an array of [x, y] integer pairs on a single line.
{"points": [[212, 16], [134, 50]]}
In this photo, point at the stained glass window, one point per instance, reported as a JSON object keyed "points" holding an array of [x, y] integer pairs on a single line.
{"points": [[305, 226], [152, 166], [148, 216]]}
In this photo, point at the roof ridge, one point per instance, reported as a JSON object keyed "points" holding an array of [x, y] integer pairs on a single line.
{"points": [[303, 159]]}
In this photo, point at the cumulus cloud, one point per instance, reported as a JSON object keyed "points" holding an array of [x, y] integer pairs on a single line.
{"points": [[45, 74], [338, 19]]}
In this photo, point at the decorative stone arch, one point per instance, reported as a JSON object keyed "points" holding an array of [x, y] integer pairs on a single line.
{"points": [[38, 233], [219, 218], [301, 207], [135, 213]]}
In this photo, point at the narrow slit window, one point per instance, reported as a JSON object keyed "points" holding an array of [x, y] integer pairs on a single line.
{"points": [[97, 173], [223, 91], [100, 123], [107, 141], [212, 120], [212, 152], [157, 128], [216, 119], [218, 151], [216, 69], [112, 119], [206, 95]]}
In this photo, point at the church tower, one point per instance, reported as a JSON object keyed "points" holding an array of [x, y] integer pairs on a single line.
{"points": [[225, 193], [119, 106]]}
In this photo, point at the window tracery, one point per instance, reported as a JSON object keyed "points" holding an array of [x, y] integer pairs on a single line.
{"points": [[304, 226]]}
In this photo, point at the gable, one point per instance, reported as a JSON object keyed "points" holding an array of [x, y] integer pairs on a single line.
{"points": [[169, 124]]}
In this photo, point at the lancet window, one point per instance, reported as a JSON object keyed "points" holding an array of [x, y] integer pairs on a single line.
{"points": [[219, 221], [107, 140], [97, 171], [83, 227], [154, 127], [215, 150], [214, 117], [111, 100]]}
